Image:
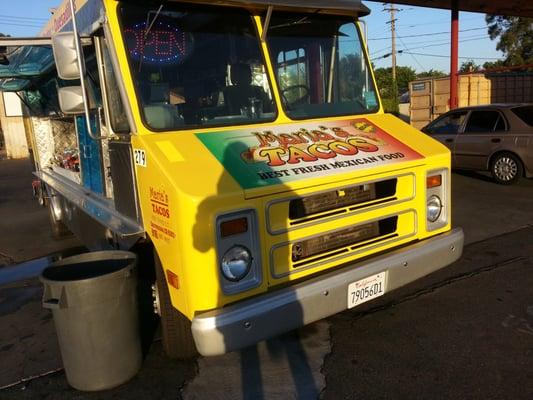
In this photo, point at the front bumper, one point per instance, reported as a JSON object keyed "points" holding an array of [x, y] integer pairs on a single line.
{"points": [[250, 321]]}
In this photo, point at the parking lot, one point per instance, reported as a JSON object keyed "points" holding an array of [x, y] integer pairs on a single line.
{"points": [[463, 332]]}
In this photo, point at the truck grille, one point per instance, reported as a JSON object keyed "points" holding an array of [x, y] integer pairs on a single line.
{"points": [[350, 197], [346, 239], [333, 246], [300, 212]]}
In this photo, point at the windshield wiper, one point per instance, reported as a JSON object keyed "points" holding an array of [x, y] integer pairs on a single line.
{"points": [[149, 26], [303, 20]]}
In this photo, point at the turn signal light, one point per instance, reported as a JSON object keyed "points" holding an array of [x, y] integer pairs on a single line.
{"points": [[433, 181], [234, 227], [173, 279]]}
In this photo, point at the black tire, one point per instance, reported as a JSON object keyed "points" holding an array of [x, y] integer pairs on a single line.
{"points": [[58, 228], [178, 342], [506, 168]]}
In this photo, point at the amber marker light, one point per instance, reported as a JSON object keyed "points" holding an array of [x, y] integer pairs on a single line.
{"points": [[233, 227], [173, 279], [433, 181]]}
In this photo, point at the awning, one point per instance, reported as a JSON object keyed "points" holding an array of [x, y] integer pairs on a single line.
{"points": [[23, 61], [14, 84], [519, 8], [27, 61]]}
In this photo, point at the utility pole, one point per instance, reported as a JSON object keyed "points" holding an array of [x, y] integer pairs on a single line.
{"points": [[392, 22], [393, 43]]}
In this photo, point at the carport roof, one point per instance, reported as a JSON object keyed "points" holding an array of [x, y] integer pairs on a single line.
{"points": [[519, 8]]}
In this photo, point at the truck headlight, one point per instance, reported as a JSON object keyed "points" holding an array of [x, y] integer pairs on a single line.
{"points": [[236, 263], [434, 208], [437, 199], [238, 251]]}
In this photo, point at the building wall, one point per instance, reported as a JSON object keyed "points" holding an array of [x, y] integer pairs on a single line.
{"points": [[430, 98], [12, 124]]}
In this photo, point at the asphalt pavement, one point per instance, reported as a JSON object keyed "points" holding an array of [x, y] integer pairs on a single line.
{"points": [[464, 332], [24, 224]]}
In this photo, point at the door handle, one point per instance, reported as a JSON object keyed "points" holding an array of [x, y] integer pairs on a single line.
{"points": [[496, 140], [448, 140]]}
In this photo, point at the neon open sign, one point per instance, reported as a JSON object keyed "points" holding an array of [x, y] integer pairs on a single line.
{"points": [[164, 44]]}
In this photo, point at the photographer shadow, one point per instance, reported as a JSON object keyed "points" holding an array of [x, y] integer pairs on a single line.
{"points": [[286, 366]]}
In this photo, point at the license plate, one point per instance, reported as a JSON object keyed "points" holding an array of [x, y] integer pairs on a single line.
{"points": [[366, 289]]}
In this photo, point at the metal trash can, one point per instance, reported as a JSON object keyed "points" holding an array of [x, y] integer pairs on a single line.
{"points": [[93, 298]]}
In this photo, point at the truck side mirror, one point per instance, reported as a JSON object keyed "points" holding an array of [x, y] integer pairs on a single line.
{"points": [[66, 58], [71, 100]]}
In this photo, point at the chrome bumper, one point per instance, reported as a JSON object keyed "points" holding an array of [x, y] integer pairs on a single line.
{"points": [[250, 321]]}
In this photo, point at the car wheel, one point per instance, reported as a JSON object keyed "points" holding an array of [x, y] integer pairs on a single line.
{"points": [[506, 169]]}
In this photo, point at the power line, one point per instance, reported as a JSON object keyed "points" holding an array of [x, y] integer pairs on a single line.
{"points": [[437, 22], [446, 43], [465, 58], [439, 43], [414, 58], [15, 17], [441, 40], [24, 25], [446, 40], [434, 55], [380, 50], [428, 34]]}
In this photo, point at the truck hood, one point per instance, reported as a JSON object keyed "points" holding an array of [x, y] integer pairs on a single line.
{"points": [[288, 157], [262, 160]]}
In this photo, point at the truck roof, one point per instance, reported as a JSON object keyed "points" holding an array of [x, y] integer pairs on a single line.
{"points": [[347, 7]]}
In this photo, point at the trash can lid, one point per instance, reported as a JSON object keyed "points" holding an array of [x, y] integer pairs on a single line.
{"points": [[89, 266]]}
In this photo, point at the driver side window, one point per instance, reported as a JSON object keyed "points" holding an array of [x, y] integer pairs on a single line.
{"points": [[448, 125]]}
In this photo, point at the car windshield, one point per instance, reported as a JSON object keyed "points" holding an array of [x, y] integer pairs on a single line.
{"points": [[196, 66], [320, 65]]}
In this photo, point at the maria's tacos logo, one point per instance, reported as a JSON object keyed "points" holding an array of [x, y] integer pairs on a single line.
{"points": [[309, 146], [257, 158]]}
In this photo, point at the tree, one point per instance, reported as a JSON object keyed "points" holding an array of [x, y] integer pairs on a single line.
{"points": [[494, 64], [515, 38], [353, 78], [432, 73], [404, 75], [469, 66]]}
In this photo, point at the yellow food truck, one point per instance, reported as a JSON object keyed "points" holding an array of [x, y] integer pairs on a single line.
{"points": [[240, 148]]}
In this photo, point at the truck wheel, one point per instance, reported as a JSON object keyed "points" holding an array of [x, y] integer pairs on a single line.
{"points": [[506, 168], [175, 327], [58, 228]]}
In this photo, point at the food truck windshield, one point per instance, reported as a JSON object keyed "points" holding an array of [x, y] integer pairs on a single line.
{"points": [[202, 65]]}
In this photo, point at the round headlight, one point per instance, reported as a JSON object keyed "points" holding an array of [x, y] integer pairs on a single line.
{"points": [[236, 263], [434, 208]]}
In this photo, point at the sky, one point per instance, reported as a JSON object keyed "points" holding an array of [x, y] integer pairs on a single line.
{"points": [[419, 30], [427, 31]]}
